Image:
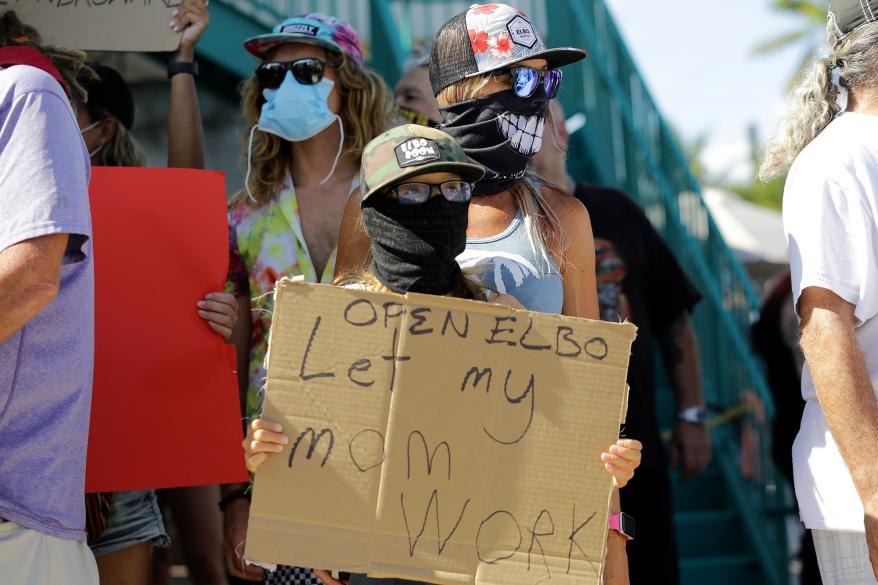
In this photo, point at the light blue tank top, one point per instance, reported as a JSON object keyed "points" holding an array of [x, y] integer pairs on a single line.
{"points": [[506, 263]]}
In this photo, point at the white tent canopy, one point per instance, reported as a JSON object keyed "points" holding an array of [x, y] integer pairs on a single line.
{"points": [[754, 232]]}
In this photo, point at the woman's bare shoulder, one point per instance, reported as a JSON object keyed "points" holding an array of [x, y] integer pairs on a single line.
{"points": [[561, 201], [571, 213]]}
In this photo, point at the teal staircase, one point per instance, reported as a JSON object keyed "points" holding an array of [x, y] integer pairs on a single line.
{"points": [[732, 520]]}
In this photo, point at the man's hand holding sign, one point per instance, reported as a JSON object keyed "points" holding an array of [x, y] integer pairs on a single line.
{"points": [[437, 439]]}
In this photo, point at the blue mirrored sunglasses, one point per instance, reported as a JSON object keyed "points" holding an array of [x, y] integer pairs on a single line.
{"points": [[526, 80]]}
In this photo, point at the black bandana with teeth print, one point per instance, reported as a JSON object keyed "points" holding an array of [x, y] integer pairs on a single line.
{"points": [[501, 132]]}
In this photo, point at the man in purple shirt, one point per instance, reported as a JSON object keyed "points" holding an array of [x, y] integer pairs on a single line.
{"points": [[46, 331]]}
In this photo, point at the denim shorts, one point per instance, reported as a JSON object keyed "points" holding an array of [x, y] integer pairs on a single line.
{"points": [[134, 518]]}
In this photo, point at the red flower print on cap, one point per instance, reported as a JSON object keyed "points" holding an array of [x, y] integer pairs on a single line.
{"points": [[478, 40], [485, 9], [501, 45]]}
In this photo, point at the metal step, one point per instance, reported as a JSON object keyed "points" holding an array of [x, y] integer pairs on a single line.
{"points": [[721, 570], [709, 533]]}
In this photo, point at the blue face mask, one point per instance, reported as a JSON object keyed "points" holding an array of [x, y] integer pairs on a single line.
{"points": [[296, 112]]}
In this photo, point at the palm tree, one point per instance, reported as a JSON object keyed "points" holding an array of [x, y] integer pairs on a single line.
{"points": [[808, 36]]}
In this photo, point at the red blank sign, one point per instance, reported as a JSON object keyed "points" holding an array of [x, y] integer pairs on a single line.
{"points": [[165, 407]]}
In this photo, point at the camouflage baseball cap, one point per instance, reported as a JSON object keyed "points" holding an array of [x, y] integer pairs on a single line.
{"points": [[410, 150]]}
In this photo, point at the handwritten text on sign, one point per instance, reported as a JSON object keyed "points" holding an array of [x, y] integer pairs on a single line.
{"points": [[437, 439], [100, 25]]}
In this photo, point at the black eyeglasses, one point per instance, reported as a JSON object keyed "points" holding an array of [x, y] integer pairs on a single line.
{"points": [[526, 80], [417, 193], [307, 71]]}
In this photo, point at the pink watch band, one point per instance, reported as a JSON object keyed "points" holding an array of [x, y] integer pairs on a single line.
{"points": [[621, 523]]}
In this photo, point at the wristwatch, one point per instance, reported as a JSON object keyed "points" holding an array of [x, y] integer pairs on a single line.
{"points": [[175, 67], [623, 524], [695, 415]]}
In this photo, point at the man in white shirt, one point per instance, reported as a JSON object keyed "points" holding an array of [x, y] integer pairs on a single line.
{"points": [[831, 220]]}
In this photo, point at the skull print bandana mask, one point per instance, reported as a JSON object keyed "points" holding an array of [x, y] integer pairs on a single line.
{"points": [[501, 131]]}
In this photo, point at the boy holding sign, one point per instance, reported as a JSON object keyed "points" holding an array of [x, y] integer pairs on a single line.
{"points": [[417, 184]]}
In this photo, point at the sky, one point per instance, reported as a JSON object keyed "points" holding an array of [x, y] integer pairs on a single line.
{"points": [[697, 59]]}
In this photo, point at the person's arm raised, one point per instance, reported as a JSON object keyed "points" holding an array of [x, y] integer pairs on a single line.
{"points": [[185, 130], [186, 139], [845, 393]]}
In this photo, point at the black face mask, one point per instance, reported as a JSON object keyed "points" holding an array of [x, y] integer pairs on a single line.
{"points": [[500, 131], [415, 247]]}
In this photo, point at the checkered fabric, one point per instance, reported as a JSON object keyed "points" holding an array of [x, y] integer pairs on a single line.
{"points": [[292, 576], [843, 558]]}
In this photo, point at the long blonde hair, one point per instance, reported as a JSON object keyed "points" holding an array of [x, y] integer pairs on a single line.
{"points": [[364, 113], [815, 101], [540, 221], [69, 62]]}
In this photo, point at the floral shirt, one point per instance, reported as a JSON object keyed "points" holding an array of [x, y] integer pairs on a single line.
{"points": [[266, 244]]}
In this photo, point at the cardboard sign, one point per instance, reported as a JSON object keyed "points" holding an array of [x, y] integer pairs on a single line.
{"points": [[165, 409], [437, 439], [100, 25]]}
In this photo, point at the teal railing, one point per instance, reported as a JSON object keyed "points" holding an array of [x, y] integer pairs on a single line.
{"points": [[627, 144]]}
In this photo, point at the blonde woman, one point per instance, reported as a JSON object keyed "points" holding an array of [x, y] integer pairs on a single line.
{"points": [[493, 78], [830, 145], [311, 107]]}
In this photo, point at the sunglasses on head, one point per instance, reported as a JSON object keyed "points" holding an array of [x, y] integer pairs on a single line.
{"points": [[307, 71], [526, 80], [417, 193]]}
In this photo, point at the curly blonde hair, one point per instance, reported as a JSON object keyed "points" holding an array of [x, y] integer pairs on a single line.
{"points": [[364, 113], [855, 57], [70, 62]]}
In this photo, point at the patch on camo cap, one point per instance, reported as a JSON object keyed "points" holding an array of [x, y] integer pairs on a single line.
{"points": [[411, 150], [416, 151]]}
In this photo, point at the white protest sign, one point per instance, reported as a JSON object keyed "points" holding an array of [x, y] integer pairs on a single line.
{"points": [[100, 25]]}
